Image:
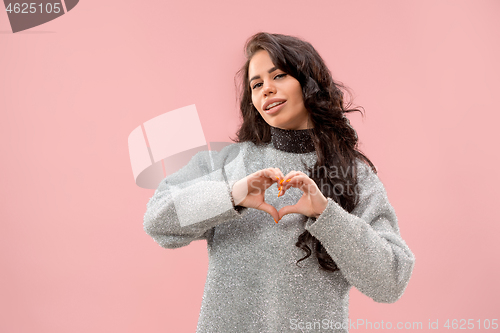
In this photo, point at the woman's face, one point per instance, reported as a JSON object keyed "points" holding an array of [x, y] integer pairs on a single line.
{"points": [[276, 95]]}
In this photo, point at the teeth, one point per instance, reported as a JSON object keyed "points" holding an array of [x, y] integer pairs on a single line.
{"points": [[273, 104]]}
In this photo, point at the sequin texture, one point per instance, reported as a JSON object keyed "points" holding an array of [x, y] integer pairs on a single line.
{"points": [[253, 283]]}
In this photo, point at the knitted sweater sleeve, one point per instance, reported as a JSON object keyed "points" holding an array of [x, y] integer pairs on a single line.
{"points": [[366, 244], [189, 203]]}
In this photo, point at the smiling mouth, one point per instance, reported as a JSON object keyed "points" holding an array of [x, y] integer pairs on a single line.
{"points": [[270, 106], [274, 107]]}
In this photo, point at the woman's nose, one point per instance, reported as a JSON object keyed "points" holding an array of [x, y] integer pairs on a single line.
{"points": [[269, 88]]}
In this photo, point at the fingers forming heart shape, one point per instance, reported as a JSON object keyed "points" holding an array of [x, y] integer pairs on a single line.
{"points": [[311, 204], [249, 192]]}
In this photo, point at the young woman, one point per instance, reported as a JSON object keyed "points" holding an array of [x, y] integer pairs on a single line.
{"points": [[335, 227]]}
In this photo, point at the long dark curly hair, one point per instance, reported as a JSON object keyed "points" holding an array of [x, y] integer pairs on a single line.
{"points": [[336, 142]]}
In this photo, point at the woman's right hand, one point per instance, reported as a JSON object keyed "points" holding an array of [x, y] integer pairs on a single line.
{"points": [[250, 191]]}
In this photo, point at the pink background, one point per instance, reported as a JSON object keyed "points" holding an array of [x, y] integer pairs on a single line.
{"points": [[73, 253]]}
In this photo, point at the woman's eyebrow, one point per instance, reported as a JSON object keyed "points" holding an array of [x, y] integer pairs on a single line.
{"points": [[258, 76]]}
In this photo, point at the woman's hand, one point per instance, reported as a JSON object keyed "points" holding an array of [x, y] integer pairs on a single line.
{"points": [[312, 203], [250, 191]]}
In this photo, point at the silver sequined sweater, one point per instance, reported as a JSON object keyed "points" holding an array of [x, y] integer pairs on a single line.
{"points": [[253, 283]]}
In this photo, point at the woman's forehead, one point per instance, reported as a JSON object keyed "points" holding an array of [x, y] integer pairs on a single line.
{"points": [[260, 64]]}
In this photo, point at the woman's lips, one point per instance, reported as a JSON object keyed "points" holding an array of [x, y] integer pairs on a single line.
{"points": [[275, 109]]}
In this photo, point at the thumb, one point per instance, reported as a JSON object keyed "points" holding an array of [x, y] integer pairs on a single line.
{"points": [[287, 210], [270, 210]]}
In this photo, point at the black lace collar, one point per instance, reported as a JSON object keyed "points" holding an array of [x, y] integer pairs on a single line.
{"points": [[292, 141]]}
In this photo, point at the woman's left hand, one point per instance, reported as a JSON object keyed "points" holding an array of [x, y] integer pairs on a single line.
{"points": [[312, 203]]}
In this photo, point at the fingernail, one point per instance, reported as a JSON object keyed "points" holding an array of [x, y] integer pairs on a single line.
{"points": [[275, 220], [281, 181], [288, 180]]}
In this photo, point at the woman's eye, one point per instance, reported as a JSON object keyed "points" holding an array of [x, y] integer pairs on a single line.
{"points": [[256, 85], [279, 76]]}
